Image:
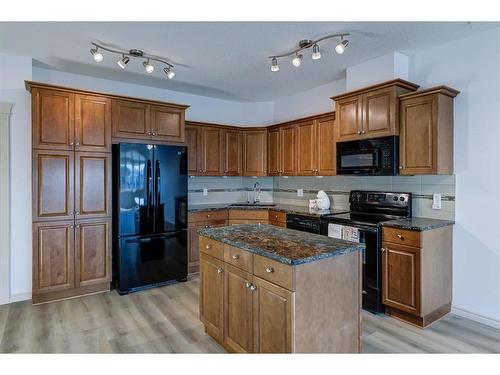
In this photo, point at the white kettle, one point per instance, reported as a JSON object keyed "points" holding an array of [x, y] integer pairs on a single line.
{"points": [[322, 201]]}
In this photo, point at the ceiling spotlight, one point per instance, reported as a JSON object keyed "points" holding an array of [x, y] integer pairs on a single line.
{"points": [[274, 65], [96, 55], [297, 60], [340, 48], [149, 68], [316, 55], [169, 72], [123, 62]]}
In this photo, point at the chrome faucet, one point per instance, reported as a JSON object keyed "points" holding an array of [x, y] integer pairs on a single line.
{"points": [[256, 192]]}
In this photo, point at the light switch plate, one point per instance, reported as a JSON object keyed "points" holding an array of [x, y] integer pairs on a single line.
{"points": [[300, 192], [436, 201], [205, 192]]}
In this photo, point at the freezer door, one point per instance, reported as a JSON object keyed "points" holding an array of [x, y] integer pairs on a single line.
{"points": [[136, 184], [170, 188], [152, 260]]}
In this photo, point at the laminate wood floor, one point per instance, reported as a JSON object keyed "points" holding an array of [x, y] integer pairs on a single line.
{"points": [[165, 320]]}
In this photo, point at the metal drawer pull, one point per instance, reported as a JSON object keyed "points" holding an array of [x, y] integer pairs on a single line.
{"points": [[269, 269], [208, 247], [400, 237], [248, 285], [72, 143], [207, 226], [220, 270], [382, 249], [236, 256], [365, 292], [253, 287], [77, 213], [78, 226], [77, 144], [71, 226]]}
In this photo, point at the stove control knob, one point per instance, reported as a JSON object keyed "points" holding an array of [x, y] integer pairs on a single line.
{"points": [[395, 198], [402, 199]]}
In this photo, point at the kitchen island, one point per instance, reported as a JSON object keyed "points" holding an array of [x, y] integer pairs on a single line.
{"points": [[265, 289]]}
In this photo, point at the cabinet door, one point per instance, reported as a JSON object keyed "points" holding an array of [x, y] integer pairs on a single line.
{"points": [[325, 147], [131, 120], [212, 295], [212, 152], [379, 113], [272, 318], [288, 150], [92, 185], [401, 277], [53, 256], [167, 123], [92, 252], [232, 154], [348, 112], [53, 119], [274, 152], [53, 185], [92, 123], [238, 332], [306, 149], [193, 248], [193, 140], [418, 136], [255, 153]]}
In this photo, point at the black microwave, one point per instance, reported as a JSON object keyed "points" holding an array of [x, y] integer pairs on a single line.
{"points": [[376, 156]]}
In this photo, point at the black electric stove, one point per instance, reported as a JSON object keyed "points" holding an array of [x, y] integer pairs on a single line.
{"points": [[362, 224]]}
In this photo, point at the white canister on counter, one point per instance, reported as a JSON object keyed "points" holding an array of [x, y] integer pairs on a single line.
{"points": [[323, 202]]}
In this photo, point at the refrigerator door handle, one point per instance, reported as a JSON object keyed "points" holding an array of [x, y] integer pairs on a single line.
{"points": [[157, 183], [148, 187]]}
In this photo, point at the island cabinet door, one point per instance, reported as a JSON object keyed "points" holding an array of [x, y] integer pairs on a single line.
{"points": [[272, 318], [212, 295], [238, 333]]}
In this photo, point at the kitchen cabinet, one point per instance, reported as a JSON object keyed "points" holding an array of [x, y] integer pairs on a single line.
{"points": [[274, 152], [212, 295], [232, 152], [248, 217], [167, 123], [370, 112], [282, 147], [255, 152], [193, 141], [426, 139], [92, 123], [277, 218], [417, 274], [205, 150]]}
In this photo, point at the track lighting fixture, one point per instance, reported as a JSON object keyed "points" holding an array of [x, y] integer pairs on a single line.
{"points": [[126, 55], [305, 45], [123, 62]]}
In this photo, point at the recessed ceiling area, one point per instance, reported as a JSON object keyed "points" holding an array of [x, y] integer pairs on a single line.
{"points": [[227, 60]]}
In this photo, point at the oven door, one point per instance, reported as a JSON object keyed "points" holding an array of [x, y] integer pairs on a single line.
{"points": [[358, 161]]}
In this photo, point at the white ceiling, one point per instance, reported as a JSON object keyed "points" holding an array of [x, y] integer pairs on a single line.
{"points": [[222, 59]]}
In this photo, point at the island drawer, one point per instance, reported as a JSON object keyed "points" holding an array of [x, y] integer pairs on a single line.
{"points": [[238, 258], [401, 236], [207, 215], [277, 216], [261, 215], [211, 247], [273, 271]]}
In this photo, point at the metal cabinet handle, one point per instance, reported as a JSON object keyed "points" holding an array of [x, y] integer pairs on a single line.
{"points": [[382, 249], [154, 133], [77, 212], [199, 171], [71, 227], [359, 132], [208, 247], [220, 270], [363, 132], [236, 256], [401, 167], [77, 144], [207, 226], [72, 143], [276, 216], [77, 226], [248, 284], [400, 237], [253, 287], [71, 212], [269, 269]]}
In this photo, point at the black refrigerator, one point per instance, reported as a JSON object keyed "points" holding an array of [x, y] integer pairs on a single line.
{"points": [[149, 215]]}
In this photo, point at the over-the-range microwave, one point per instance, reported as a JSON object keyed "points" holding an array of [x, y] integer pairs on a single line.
{"points": [[376, 156]]}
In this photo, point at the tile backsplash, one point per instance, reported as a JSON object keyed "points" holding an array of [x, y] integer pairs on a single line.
{"points": [[284, 190]]}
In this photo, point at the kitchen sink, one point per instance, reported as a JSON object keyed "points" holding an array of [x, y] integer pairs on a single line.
{"points": [[252, 205]]}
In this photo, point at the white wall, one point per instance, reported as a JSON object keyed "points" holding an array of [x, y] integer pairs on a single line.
{"points": [[475, 71], [13, 71]]}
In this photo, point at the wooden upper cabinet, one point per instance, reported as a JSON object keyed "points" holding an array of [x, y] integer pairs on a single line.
{"points": [[193, 141], [255, 152], [306, 148], [92, 252], [426, 139], [53, 119], [131, 119], [212, 295], [211, 151], [231, 152], [92, 123], [92, 185], [274, 152], [326, 160], [167, 123], [370, 112], [53, 256], [288, 150], [53, 185]]}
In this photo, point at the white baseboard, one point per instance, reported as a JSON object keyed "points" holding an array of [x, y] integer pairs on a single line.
{"points": [[20, 297], [475, 317]]}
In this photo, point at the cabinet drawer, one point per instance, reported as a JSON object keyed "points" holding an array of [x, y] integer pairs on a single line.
{"points": [[278, 216], [211, 247], [260, 215], [277, 224], [273, 271], [207, 216], [241, 221], [403, 237], [238, 258]]}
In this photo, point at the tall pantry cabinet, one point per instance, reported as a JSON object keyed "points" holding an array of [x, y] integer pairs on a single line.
{"points": [[71, 193]]}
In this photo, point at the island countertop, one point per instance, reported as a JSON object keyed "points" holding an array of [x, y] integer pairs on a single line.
{"points": [[287, 246]]}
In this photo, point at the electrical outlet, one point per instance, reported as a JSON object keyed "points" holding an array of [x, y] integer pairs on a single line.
{"points": [[436, 201], [205, 192], [300, 192]]}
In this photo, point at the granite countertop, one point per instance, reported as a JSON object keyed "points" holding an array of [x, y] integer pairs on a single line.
{"points": [[418, 223], [289, 209], [287, 246]]}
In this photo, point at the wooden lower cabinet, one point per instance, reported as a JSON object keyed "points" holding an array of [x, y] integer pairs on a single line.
{"points": [[212, 295], [248, 217], [277, 218], [417, 274]]}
